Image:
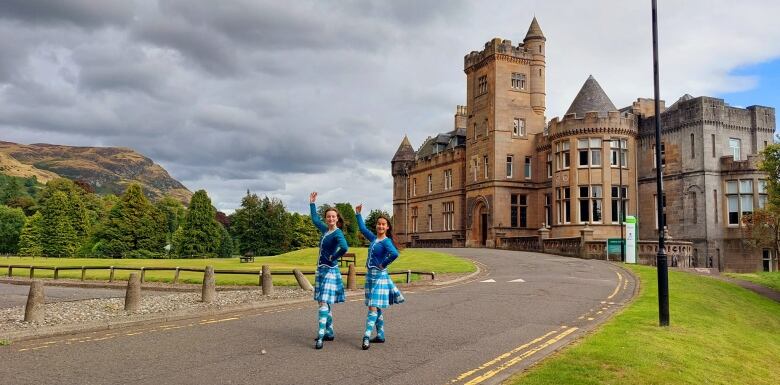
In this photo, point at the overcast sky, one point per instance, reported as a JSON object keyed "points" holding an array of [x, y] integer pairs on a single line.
{"points": [[283, 98]]}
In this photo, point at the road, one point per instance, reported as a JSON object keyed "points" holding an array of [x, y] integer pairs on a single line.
{"points": [[16, 295], [520, 309]]}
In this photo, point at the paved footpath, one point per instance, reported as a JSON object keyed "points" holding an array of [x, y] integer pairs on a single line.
{"points": [[523, 307]]}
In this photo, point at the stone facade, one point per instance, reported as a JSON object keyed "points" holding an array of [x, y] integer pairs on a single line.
{"points": [[504, 175]]}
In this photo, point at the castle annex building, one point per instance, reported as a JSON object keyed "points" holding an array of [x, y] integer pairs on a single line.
{"points": [[503, 171]]}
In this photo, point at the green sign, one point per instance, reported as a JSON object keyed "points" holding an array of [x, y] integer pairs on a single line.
{"points": [[613, 245]]}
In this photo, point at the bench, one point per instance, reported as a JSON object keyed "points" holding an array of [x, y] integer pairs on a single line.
{"points": [[247, 258], [347, 258]]}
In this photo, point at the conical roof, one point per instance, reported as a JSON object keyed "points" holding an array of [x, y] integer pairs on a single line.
{"points": [[405, 151], [591, 98], [534, 31]]}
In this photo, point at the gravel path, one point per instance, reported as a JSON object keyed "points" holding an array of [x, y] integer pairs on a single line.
{"points": [[107, 309]]}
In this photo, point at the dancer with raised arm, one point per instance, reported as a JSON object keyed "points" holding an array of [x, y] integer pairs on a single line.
{"points": [[381, 292], [328, 287]]}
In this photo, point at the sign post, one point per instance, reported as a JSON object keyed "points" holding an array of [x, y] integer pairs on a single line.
{"points": [[631, 238]]}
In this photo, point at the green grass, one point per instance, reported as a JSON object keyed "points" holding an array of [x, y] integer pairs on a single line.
{"points": [[305, 260], [4, 342], [766, 278], [720, 334]]}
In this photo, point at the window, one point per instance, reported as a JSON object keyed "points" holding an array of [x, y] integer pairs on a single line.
{"points": [[482, 86], [589, 151], [739, 194], [430, 217], [430, 183], [509, 160], [448, 210], [663, 156], [548, 209], [563, 202], [474, 169], [475, 131], [562, 155], [414, 219], [414, 187], [591, 203], [713, 145], [527, 167], [715, 206], [447, 179], [762, 194], [619, 196], [485, 159], [692, 201], [734, 147], [518, 81], [693, 147], [618, 151], [519, 210], [549, 166], [518, 127]]}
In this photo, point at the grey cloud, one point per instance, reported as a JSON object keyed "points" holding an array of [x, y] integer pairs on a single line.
{"points": [[80, 13]]}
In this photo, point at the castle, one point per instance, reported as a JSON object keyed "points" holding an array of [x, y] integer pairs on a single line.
{"points": [[504, 172]]}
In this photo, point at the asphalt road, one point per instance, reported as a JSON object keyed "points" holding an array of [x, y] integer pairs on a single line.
{"points": [[523, 307], [16, 295]]}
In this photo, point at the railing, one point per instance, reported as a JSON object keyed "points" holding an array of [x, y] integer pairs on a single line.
{"points": [[177, 270]]}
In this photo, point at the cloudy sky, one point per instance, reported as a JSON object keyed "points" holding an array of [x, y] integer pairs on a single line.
{"points": [[283, 98]]}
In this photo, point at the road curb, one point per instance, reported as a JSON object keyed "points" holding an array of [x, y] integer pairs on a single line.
{"points": [[56, 331]]}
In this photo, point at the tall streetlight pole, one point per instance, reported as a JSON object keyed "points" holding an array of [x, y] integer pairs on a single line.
{"points": [[663, 270]]}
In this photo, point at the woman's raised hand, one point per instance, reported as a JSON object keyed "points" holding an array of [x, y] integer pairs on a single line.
{"points": [[313, 197], [359, 208]]}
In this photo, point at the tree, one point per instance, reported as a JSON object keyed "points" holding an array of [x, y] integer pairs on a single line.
{"points": [[350, 227], [30, 238], [75, 206], [200, 232], [225, 243], [373, 216], [245, 224], [304, 234], [59, 238], [261, 226], [174, 212], [11, 224], [133, 224], [762, 227]]}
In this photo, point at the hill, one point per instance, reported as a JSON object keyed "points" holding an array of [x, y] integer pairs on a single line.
{"points": [[106, 169]]}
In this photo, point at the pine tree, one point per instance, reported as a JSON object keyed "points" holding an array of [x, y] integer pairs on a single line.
{"points": [[133, 225], [245, 225], [11, 224], [201, 234], [225, 243], [350, 227], [59, 238], [30, 238], [304, 234]]}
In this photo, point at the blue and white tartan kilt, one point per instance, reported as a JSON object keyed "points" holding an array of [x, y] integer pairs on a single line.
{"points": [[381, 292], [328, 286]]}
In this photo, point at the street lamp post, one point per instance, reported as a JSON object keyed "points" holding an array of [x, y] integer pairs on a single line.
{"points": [[621, 207], [663, 270]]}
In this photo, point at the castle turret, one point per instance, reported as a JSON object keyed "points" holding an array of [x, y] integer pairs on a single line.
{"points": [[403, 158], [591, 98], [534, 42]]}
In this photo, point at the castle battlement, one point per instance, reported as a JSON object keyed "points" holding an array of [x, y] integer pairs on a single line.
{"points": [[611, 122], [496, 46]]}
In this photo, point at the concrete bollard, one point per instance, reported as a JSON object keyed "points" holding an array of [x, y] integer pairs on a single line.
{"points": [[351, 277], [133, 293], [209, 285], [33, 312], [267, 280], [302, 281]]}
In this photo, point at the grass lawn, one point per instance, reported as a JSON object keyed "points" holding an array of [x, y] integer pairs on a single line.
{"points": [[769, 279], [720, 334], [305, 260]]}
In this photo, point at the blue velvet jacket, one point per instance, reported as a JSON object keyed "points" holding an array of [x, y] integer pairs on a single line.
{"points": [[332, 244], [381, 253]]}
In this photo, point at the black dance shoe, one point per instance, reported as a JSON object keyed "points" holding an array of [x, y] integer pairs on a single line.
{"points": [[366, 343], [318, 344], [377, 340]]}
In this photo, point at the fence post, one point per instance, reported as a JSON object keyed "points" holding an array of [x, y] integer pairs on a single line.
{"points": [[83, 272], [111, 275], [302, 281], [176, 276], [143, 274], [351, 277], [56, 272], [32, 272], [433, 276], [408, 276], [266, 280], [10, 271]]}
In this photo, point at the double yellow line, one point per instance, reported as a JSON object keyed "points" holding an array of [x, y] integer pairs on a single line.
{"points": [[512, 357]]}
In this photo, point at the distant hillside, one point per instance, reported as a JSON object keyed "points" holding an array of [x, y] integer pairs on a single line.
{"points": [[106, 169]]}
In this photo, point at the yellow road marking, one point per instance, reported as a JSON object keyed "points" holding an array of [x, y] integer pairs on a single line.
{"points": [[590, 318], [502, 356], [519, 358], [134, 334], [219, 320], [620, 281]]}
